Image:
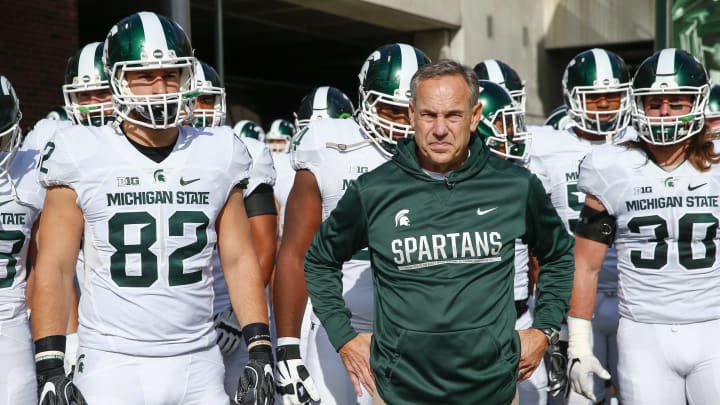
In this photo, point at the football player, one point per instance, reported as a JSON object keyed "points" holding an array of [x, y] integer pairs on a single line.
{"points": [[596, 88], [151, 199], [323, 102], [279, 135], [327, 155], [211, 109], [655, 199], [20, 206], [503, 74], [503, 129], [86, 89]]}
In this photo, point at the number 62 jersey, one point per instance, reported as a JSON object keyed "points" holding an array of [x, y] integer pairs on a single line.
{"points": [[149, 234], [667, 239]]}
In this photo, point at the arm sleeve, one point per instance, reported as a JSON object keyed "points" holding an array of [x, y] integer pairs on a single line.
{"points": [[553, 247], [261, 201], [339, 236]]}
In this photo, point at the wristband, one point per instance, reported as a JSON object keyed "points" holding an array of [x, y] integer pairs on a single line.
{"points": [[255, 332]]}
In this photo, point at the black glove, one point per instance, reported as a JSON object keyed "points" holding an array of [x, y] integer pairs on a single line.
{"points": [[557, 369], [257, 386], [54, 388]]}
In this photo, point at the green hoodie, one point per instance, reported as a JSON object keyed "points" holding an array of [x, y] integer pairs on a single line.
{"points": [[442, 257]]}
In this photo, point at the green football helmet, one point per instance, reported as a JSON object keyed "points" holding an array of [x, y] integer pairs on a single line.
{"points": [[249, 129], [85, 73], [279, 136], [558, 119], [10, 117], [502, 124], [323, 102], [712, 110], [503, 74], [147, 41], [210, 93], [591, 73], [670, 72], [385, 79]]}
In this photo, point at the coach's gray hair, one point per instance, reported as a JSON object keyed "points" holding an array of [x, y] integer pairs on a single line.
{"points": [[446, 67]]}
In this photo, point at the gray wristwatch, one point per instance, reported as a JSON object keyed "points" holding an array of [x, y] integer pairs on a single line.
{"points": [[552, 335]]}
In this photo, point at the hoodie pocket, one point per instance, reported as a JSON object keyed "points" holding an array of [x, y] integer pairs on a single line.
{"points": [[426, 363]]}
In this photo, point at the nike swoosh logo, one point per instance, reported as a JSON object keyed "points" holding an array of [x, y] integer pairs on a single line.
{"points": [[5, 202], [481, 212], [185, 183], [691, 188], [48, 389]]}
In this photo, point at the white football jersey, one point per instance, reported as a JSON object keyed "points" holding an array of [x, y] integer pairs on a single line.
{"points": [[522, 266], [17, 216], [555, 159], [262, 171], [283, 184], [666, 240], [337, 152], [149, 234]]}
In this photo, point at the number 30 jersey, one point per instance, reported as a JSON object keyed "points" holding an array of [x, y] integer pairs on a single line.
{"points": [[666, 240], [149, 234]]}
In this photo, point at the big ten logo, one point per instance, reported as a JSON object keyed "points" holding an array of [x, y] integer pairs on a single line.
{"points": [[357, 169], [643, 190], [128, 181]]}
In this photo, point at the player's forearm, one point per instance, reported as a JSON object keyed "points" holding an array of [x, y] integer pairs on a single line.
{"points": [[52, 294], [582, 301], [290, 295], [247, 293]]}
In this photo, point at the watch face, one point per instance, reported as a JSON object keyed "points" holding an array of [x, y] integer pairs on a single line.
{"points": [[553, 336]]}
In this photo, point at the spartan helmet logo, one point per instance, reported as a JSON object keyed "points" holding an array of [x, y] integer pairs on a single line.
{"points": [[670, 182], [401, 218]]}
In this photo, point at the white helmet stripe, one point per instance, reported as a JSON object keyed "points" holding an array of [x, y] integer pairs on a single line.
{"points": [[86, 62], [408, 68], [666, 62], [199, 72], [154, 34], [494, 72], [5, 86], [602, 65], [320, 99]]}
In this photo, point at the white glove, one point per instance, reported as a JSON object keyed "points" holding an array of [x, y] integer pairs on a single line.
{"points": [[71, 349], [582, 362], [293, 381], [229, 332]]}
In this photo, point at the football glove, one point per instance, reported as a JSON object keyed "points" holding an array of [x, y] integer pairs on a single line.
{"points": [[228, 331], [582, 363], [294, 383], [54, 387], [257, 386]]}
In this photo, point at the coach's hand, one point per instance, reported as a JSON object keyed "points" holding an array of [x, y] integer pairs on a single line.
{"points": [[583, 364], [293, 381], [229, 332], [257, 386], [355, 355], [533, 344]]}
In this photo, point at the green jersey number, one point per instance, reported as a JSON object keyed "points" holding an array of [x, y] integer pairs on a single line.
{"points": [[19, 238], [574, 203], [147, 237], [686, 225]]}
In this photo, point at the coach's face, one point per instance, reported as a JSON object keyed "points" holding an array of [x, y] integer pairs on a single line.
{"points": [[443, 118]]}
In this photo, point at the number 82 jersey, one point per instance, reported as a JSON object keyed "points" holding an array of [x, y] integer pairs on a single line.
{"points": [[667, 239], [149, 234]]}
